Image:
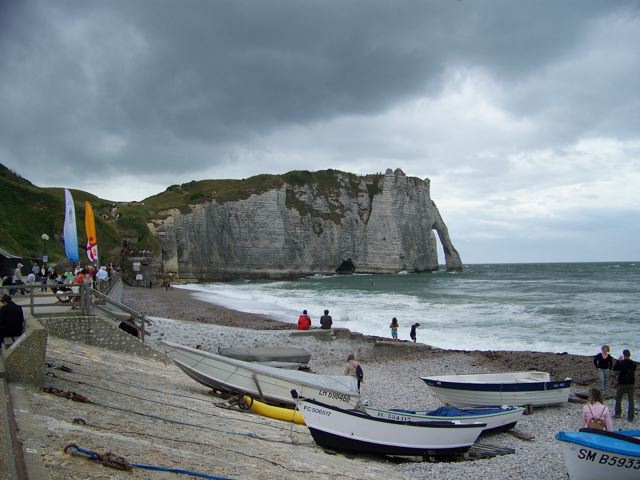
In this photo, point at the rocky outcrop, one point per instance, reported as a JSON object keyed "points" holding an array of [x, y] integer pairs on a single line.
{"points": [[381, 223]]}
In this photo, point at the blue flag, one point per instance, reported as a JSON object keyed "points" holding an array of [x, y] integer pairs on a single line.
{"points": [[70, 230]]}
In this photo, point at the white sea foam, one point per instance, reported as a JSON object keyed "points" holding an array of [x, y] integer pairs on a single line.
{"points": [[556, 309]]}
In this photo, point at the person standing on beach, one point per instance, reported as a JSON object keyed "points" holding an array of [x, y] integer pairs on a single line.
{"points": [[11, 320], [326, 321], [595, 414], [412, 334], [304, 321], [353, 369], [604, 363], [394, 329], [626, 384]]}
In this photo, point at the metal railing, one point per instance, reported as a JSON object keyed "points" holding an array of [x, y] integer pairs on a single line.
{"points": [[140, 317], [82, 298], [68, 294]]}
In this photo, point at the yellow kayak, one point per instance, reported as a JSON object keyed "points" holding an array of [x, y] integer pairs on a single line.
{"points": [[279, 413]]}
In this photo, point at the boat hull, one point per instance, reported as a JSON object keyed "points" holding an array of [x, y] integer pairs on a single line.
{"points": [[267, 354], [462, 393], [586, 460], [340, 429], [262, 382], [503, 419]]}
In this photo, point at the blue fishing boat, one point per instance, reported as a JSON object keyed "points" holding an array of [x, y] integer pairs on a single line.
{"points": [[598, 454]]}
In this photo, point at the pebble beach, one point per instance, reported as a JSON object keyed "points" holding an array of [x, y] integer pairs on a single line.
{"points": [[392, 378]]}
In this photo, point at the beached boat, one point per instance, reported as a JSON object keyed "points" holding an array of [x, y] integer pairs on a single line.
{"points": [[260, 381], [496, 418], [597, 454], [353, 430], [277, 413], [511, 388], [267, 354]]}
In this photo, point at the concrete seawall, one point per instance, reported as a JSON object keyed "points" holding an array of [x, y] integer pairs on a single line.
{"points": [[97, 332], [24, 360]]}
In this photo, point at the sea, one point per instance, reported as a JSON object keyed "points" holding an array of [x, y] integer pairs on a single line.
{"points": [[546, 307]]}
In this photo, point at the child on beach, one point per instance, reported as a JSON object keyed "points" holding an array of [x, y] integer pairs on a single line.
{"points": [[412, 334], [394, 329]]}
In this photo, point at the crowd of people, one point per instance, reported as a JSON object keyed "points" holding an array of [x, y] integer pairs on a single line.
{"points": [[59, 281]]}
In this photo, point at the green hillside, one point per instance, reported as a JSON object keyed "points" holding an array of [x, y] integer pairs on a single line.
{"points": [[29, 211]]}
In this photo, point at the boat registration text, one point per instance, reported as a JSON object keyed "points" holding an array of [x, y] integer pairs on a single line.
{"points": [[606, 459], [319, 411], [337, 396]]}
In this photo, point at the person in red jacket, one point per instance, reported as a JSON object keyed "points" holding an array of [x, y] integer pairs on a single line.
{"points": [[304, 321]]}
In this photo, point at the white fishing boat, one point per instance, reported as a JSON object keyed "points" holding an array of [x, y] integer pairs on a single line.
{"points": [[496, 418], [262, 382], [512, 388], [597, 454], [354, 430]]}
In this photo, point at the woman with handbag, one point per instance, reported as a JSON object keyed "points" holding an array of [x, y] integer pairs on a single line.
{"points": [[595, 414]]}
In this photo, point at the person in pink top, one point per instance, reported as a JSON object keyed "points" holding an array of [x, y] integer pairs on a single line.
{"points": [[595, 414]]}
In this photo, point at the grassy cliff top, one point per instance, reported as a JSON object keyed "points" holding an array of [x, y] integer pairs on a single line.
{"points": [[191, 193], [29, 211]]}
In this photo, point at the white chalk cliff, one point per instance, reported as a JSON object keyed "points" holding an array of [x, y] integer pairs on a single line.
{"points": [[376, 223]]}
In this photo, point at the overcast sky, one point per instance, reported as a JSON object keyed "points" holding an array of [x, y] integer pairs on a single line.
{"points": [[524, 115]]}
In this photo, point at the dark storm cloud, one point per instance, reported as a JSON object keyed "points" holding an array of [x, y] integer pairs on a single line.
{"points": [[125, 86]]}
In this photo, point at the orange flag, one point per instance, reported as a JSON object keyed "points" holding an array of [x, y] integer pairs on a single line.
{"points": [[92, 239]]}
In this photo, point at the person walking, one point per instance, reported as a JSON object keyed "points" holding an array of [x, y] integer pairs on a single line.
{"points": [[353, 369], [394, 329], [626, 369], [413, 334], [595, 414], [604, 363], [304, 321], [326, 321]]}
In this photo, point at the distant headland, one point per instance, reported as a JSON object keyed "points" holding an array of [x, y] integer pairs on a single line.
{"points": [[266, 226]]}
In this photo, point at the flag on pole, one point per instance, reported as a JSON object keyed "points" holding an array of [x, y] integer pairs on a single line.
{"points": [[90, 226], [70, 230]]}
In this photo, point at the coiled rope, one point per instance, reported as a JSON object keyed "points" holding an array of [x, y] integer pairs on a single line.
{"points": [[109, 459]]}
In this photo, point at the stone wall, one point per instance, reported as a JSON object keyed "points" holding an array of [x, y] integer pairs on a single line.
{"points": [[25, 359], [97, 332], [384, 225]]}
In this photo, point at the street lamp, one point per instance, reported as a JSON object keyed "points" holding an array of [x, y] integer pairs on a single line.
{"points": [[45, 237]]}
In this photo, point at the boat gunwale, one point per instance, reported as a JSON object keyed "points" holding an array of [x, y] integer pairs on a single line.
{"points": [[512, 410], [508, 387]]}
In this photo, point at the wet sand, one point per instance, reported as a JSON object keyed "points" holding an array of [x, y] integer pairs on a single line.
{"points": [[180, 304]]}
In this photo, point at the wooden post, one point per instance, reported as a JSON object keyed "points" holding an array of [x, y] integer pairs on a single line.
{"points": [[32, 302]]}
